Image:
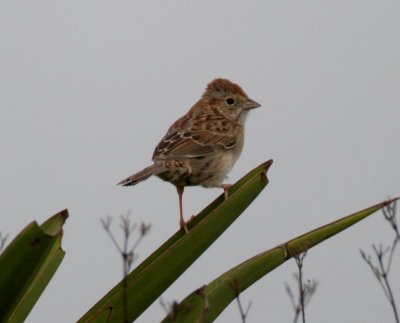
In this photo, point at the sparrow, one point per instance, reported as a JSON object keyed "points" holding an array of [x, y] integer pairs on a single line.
{"points": [[201, 147]]}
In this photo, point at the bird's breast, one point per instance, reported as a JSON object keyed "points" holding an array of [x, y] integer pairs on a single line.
{"points": [[207, 171]]}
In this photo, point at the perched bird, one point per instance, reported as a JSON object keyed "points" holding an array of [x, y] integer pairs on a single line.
{"points": [[201, 147]]}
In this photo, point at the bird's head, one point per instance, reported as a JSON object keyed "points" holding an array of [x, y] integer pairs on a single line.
{"points": [[229, 99]]}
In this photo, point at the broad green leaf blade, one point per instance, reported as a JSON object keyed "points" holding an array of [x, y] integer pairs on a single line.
{"points": [[205, 304], [27, 265], [155, 274]]}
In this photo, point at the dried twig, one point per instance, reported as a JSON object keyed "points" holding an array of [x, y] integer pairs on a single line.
{"points": [[305, 290], [389, 213], [243, 313], [382, 269], [299, 262], [169, 308], [128, 253]]}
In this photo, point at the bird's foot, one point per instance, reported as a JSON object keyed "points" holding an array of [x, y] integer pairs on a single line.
{"points": [[184, 224], [226, 187]]}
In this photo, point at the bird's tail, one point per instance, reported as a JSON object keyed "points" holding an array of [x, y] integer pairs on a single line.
{"points": [[142, 175]]}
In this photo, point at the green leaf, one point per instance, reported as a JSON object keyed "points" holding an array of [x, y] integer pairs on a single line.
{"points": [[155, 274], [206, 303], [27, 265]]}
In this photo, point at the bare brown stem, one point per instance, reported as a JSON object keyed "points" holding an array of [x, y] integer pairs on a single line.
{"points": [[382, 268], [305, 290], [299, 262], [127, 253], [243, 313]]}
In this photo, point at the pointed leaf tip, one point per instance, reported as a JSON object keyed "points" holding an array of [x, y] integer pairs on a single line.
{"points": [[27, 265], [267, 164], [390, 201], [53, 226]]}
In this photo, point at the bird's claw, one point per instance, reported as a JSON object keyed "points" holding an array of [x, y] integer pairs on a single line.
{"points": [[226, 188], [185, 223]]}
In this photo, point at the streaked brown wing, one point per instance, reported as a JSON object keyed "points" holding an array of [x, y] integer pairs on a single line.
{"points": [[191, 139]]}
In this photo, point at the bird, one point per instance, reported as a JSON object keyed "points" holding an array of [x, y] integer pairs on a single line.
{"points": [[201, 147]]}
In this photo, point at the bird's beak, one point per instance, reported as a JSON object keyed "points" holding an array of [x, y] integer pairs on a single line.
{"points": [[250, 104]]}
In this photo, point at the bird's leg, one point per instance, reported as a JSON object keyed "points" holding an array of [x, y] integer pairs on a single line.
{"points": [[225, 187], [181, 220]]}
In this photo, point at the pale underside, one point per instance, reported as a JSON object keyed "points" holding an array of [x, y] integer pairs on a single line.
{"points": [[190, 154]]}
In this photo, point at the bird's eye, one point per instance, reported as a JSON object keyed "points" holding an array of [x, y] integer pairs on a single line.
{"points": [[230, 101]]}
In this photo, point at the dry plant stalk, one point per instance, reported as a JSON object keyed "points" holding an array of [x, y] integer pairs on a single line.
{"points": [[384, 257], [243, 312], [127, 251], [305, 290]]}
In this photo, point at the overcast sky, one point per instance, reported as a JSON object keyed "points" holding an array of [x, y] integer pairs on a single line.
{"points": [[88, 88]]}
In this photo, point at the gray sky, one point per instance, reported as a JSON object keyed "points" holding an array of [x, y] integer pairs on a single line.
{"points": [[89, 87]]}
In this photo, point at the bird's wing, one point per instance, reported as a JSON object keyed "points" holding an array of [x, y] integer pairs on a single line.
{"points": [[197, 136]]}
